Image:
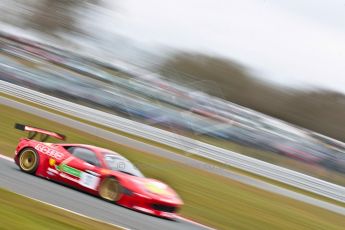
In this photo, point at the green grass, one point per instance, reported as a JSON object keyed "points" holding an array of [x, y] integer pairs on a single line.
{"points": [[209, 199], [18, 212]]}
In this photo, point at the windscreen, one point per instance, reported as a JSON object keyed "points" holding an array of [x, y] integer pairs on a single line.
{"points": [[121, 164]]}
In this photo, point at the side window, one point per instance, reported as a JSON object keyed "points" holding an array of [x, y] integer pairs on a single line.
{"points": [[85, 155]]}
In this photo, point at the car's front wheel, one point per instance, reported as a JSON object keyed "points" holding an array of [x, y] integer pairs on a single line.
{"points": [[28, 160], [110, 189]]}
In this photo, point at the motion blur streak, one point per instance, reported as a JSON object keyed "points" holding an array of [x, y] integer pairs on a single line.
{"points": [[196, 78], [290, 177], [176, 157]]}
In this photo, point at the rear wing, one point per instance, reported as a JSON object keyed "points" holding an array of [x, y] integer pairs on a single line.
{"points": [[44, 134]]}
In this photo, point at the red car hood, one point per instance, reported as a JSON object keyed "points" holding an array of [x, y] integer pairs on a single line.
{"points": [[154, 189]]}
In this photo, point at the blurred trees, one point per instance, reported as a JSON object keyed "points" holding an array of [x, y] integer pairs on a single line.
{"points": [[47, 16], [318, 110], [200, 71], [221, 77]]}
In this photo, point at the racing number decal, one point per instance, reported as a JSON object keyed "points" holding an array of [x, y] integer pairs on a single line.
{"points": [[89, 181]]}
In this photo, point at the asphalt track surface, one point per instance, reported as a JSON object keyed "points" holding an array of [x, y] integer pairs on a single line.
{"points": [[14, 180]]}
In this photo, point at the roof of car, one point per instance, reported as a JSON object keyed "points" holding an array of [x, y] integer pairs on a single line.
{"points": [[98, 149]]}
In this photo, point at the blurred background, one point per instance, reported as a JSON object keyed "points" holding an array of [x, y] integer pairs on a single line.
{"points": [[272, 90]]}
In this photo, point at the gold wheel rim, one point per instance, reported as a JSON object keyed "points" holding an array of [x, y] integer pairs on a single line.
{"points": [[109, 189], [28, 160]]}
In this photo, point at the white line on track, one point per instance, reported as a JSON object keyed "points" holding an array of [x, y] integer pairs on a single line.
{"points": [[61, 208], [94, 219], [195, 223], [76, 213], [6, 158]]}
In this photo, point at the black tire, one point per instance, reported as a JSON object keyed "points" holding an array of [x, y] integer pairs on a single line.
{"points": [[28, 160], [110, 189]]}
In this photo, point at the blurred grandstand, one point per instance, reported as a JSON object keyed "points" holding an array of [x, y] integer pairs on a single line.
{"points": [[138, 94]]}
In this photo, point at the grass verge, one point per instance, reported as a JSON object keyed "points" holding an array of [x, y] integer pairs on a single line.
{"points": [[209, 199], [18, 212]]}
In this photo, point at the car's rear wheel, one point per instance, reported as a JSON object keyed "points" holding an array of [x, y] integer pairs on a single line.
{"points": [[110, 189], [28, 160]]}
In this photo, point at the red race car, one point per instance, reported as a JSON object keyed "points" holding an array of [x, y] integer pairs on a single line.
{"points": [[95, 170]]}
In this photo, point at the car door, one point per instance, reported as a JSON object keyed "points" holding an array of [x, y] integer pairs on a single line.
{"points": [[82, 169]]}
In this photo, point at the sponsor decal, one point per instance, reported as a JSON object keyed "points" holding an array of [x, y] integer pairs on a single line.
{"points": [[63, 175], [69, 170], [49, 151], [83, 178], [89, 181], [52, 171]]}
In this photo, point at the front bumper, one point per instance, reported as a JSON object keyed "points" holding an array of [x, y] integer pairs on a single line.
{"points": [[157, 207]]}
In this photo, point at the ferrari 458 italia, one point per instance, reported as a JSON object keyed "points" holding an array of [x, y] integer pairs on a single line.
{"points": [[98, 171]]}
